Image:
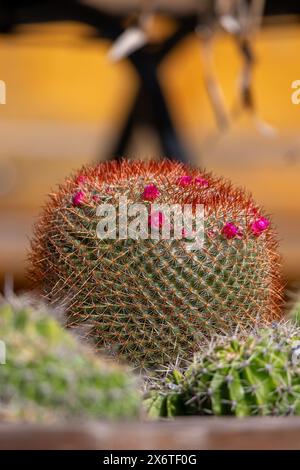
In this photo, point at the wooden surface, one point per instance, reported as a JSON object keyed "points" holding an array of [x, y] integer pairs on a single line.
{"points": [[183, 434]]}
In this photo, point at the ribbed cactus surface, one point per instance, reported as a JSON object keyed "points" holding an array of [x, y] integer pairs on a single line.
{"points": [[256, 375], [149, 301], [48, 374]]}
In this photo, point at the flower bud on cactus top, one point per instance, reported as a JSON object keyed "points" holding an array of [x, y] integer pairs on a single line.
{"points": [[150, 300], [47, 374], [256, 375]]}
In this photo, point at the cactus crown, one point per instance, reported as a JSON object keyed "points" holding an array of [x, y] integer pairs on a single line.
{"points": [[149, 301], [49, 374], [256, 375]]}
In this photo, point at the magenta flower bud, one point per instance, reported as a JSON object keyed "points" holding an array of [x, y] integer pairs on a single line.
{"points": [[78, 198], [230, 230], [151, 192], [260, 225], [185, 180]]}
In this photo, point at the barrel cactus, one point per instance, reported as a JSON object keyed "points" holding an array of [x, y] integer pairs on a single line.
{"points": [[46, 373], [256, 375], [150, 300]]}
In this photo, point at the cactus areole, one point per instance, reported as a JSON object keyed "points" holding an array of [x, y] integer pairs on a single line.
{"points": [[150, 300]]}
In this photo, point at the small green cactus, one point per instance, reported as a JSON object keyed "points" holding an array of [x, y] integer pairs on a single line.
{"points": [[256, 375], [47, 374]]}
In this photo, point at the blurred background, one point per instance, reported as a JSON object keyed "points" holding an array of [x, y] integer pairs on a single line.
{"points": [[220, 97]]}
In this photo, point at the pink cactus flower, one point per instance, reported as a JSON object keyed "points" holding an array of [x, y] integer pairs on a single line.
{"points": [[156, 219], [230, 231], [78, 198], [202, 182], [259, 226], [151, 192], [185, 180]]}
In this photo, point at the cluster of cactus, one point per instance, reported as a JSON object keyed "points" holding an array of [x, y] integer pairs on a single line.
{"points": [[149, 301], [47, 374], [241, 376]]}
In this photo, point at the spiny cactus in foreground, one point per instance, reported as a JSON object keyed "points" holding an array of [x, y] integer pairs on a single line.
{"points": [[149, 301], [48, 374], [256, 375]]}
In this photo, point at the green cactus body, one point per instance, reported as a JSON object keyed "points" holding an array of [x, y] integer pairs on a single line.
{"points": [[149, 301], [256, 375], [49, 374]]}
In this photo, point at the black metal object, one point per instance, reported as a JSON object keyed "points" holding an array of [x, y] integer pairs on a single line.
{"points": [[149, 106], [150, 109]]}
